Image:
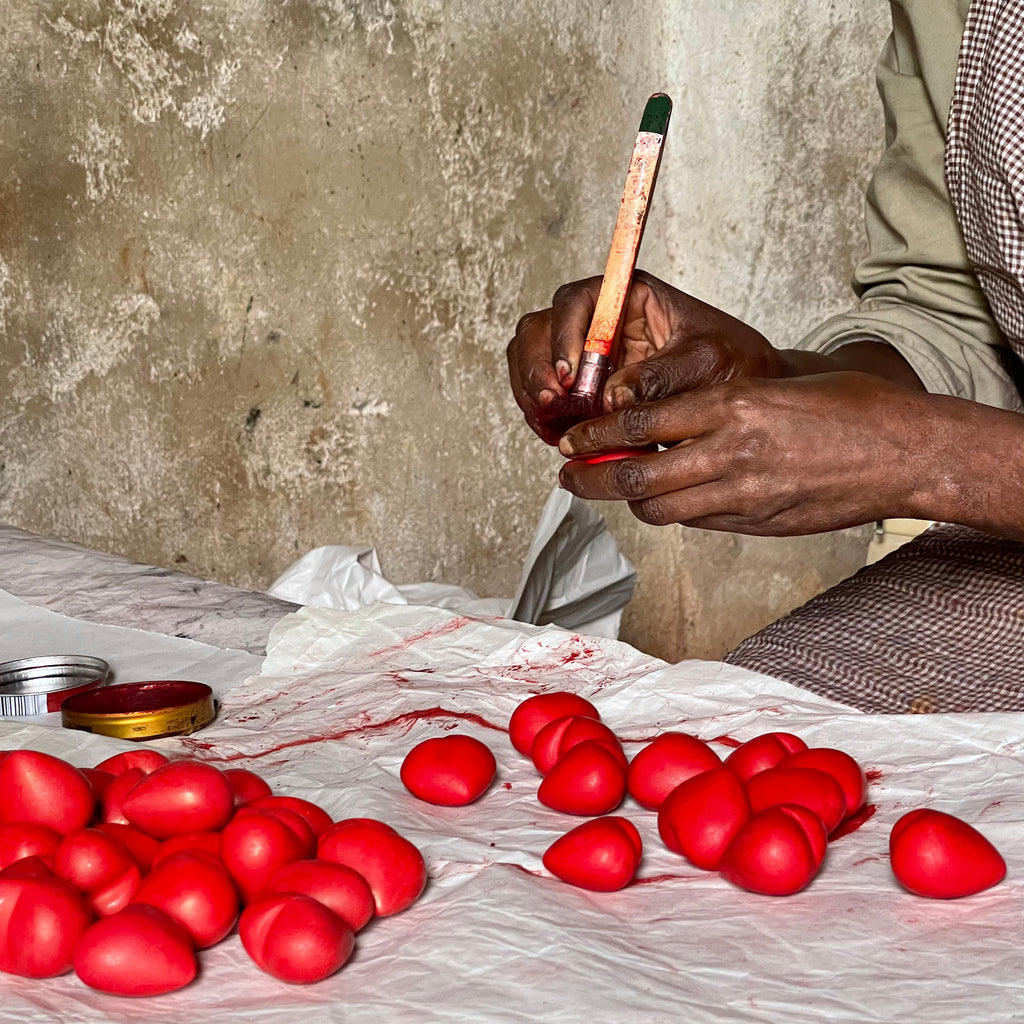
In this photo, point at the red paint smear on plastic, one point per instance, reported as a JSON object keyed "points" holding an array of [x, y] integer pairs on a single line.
{"points": [[854, 822], [726, 741], [654, 879], [874, 774], [407, 719], [428, 634]]}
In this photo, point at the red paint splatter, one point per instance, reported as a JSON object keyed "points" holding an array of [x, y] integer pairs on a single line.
{"points": [[408, 719], [654, 879], [506, 785], [428, 634], [874, 774], [854, 822], [726, 741]]}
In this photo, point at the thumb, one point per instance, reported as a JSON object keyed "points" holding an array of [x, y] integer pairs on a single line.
{"points": [[668, 372]]}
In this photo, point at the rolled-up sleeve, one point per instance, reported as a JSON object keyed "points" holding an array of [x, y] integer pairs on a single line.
{"points": [[915, 288]]}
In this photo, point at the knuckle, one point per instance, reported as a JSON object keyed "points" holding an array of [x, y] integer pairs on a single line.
{"points": [[651, 511], [630, 478], [635, 423], [656, 379], [526, 321]]}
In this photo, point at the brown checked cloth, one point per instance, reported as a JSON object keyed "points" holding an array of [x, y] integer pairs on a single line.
{"points": [[939, 624]]}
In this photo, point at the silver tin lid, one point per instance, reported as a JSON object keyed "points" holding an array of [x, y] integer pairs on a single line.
{"points": [[35, 686]]}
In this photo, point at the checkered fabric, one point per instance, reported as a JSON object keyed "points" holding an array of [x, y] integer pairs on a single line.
{"points": [[939, 624]]}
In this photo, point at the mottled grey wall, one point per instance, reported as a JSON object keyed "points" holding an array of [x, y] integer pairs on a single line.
{"points": [[259, 263]]}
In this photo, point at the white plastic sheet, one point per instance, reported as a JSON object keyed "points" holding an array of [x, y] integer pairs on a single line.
{"points": [[573, 575], [342, 696]]}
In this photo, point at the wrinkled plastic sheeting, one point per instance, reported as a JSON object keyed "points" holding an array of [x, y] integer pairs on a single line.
{"points": [[573, 576], [341, 699]]}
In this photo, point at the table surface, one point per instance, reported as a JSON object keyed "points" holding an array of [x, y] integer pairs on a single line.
{"points": [[329, 713]]}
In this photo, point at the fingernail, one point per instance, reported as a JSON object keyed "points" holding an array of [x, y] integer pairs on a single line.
{"points": [[563, 369], [621, 397], [546, 397], [565, 446]]}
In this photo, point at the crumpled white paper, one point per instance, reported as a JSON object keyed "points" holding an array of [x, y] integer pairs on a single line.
{"points": [[343, 696], [573, 575]]}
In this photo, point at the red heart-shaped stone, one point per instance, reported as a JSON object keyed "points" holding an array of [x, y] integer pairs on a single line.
{"points": [[702, 815], [532, 714], [180, 796], [940, 856], [393, 868], [448, 770], [837, 763], [27, 839], [777, 852], [138, 757], [295, 938], [254, 845], [100, 866], [316, 817], [40, 922], [666, 762], [601, 855], [762, 752], [561, 735], [246, 785], [336, 886], [140, 951], [112, 801], [43, 789], [197, 892], [807, 787], [587, 780]]}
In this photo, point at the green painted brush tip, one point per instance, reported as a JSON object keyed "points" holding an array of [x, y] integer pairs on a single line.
{"points": [[656, 114]]}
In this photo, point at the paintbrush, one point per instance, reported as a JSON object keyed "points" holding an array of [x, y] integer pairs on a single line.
{"points": [[585, 398]]}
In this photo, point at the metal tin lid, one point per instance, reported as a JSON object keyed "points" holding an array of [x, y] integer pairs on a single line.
{"points": [[34, 686], [141, 711]]}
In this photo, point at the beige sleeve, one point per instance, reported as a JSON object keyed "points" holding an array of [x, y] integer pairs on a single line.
{"points": [[915, 288]]}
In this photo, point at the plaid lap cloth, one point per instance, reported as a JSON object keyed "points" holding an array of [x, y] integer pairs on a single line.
{"points": [[939, 624]]}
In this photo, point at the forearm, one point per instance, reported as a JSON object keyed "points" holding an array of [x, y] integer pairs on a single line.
{"points": [[874, 357], [966, 466]]}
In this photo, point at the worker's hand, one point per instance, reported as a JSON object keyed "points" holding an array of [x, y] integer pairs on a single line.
{"points": [[770, 457], [669, 343]]}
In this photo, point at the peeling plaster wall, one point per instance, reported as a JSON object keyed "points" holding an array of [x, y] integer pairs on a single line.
{"points": [[259, 264]]}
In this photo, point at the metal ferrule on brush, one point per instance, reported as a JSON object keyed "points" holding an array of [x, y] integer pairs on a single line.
{"points": [[591, 375]]}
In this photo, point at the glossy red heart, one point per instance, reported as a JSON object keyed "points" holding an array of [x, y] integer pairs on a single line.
{"points": [[532, 714], [180, 796], [666, 762], [393, 868], [246, 785], [763, 752], [588, 780], [205, 844], [295, 938], [295, 821], [254, 845], [111, 803], [808, 787], [336, 886], [448, 770], [197, 892], [40, 921], [940, 856], [777, 852], [143, 848], [837, 763], [140, 951], [561, 735], [44, 789], [138, 757], [702, 815], [317, 818], [99, 866], [27, 839], [601, 855], [99, 781]]}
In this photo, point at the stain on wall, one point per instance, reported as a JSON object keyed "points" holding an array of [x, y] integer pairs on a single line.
{"points": [[259, 264]]}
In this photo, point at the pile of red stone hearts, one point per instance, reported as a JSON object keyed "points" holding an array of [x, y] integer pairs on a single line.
{"points": [[763, 817], [125, 871]]}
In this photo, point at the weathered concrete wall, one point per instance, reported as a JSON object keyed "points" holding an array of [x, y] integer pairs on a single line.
{"points": [[259, 264]]}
